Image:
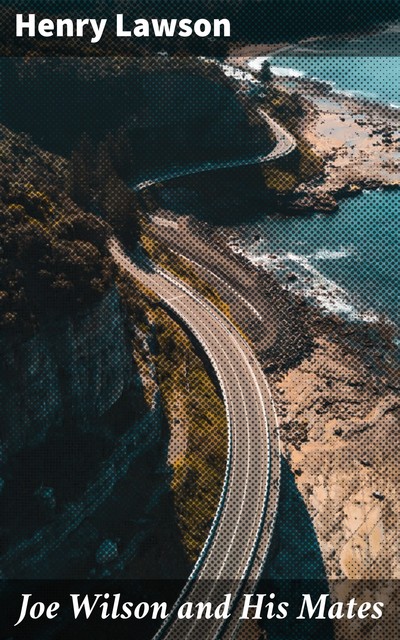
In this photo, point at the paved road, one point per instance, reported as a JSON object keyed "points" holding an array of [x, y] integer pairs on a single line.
{"points": [[236, 549], [284, 145]]}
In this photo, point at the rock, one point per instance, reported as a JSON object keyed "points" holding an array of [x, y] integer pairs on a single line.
{"points": [[350, 189], [172, 97], [372, 184], [363, 528], [326, 203], [107, 552], [84, 364], [322, 202], [354, 383]]}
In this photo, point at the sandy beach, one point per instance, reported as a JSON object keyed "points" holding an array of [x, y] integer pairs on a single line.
{"points": [[357, 138], [338, 412]]}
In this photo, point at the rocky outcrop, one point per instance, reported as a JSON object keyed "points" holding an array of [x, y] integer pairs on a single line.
{"points": [[69, 373], [84, 459], [53, 256], [338, 412], [83, 456], [310, 203]]}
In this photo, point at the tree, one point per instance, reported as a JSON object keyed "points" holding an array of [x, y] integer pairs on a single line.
{"points": [[82, 171], [266, 76]]}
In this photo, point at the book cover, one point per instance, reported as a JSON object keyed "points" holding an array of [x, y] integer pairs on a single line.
{"points": [[199, 320]]}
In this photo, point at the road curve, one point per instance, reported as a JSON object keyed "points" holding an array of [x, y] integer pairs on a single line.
{"points": [[284, 145], [235, 551]]}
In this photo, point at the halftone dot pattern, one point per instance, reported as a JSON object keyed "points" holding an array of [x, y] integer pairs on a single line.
{"points": [[137, 404]]}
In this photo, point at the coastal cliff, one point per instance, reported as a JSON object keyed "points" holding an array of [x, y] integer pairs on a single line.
{"points": [[71, 371], [85, 480], [78, 440]]}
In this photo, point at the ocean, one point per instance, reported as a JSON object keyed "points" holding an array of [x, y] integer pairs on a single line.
{"points": [[376, 78], [346, 262]]}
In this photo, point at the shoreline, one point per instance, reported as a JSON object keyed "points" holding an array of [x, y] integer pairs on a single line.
{"points": [[322, 293], [357, 136], [362, 43], [337, 404], [338, 408], [358, 139], [335, 382]]}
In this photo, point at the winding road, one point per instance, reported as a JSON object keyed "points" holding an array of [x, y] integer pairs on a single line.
{"points": [[241, 533], [234, 554], [284, 145]]}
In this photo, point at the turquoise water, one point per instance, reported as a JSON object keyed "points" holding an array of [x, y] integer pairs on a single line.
{"points": [[347, 262], [376, 78]]}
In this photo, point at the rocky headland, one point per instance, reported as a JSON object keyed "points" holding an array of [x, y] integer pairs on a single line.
{"points": [[358, 140]]}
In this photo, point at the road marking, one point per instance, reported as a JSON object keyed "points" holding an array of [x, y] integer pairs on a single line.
{"points": [[245, 359], [218, 316], [221, 336], [285, 143], [260, 495], [174, 298], [239, 295]]}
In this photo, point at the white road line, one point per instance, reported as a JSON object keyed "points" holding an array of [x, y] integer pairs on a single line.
{"points": [[217, 341], [242, 298], [260, 496], [174, 298], [218, 319]]}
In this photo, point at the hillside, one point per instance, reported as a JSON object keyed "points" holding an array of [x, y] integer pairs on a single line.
{"points": [[140, 114], [54, 259], [78, 427]]}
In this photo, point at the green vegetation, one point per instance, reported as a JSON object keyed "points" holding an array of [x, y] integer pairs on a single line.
{"points": [[284, 107], [94, 183], [191, 402], [53, 257], [199, 471], [307, 166]]}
